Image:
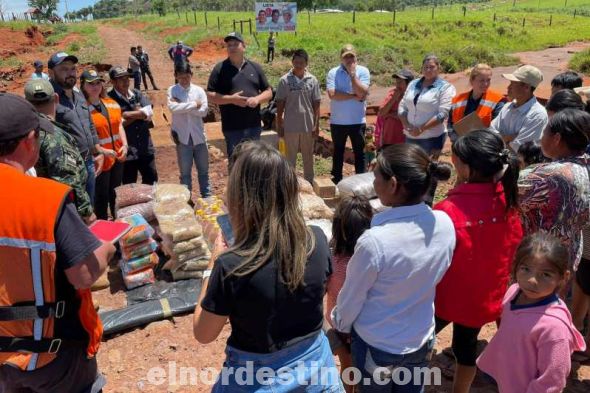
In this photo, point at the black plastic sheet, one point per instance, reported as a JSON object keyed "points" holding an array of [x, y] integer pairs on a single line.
{"points": [[160, 301]]}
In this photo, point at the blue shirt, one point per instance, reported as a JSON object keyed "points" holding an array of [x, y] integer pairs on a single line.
{"points": [[347, 112], [388, 294]]}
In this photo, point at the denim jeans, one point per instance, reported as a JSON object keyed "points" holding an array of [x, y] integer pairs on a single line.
{"points": [[307, 366], [368, 359], [340, 133], [186, 154], [91, 181], [235, 137]]}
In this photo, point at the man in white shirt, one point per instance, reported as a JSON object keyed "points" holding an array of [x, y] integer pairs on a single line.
{"points": [[188, 104], [39, 74], [523, 119]]}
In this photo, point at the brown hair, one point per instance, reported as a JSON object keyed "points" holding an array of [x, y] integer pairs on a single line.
{"points": [[477, 70], [411, 167], [542, 244], [103, 92], [352, 217], [264, 209]]}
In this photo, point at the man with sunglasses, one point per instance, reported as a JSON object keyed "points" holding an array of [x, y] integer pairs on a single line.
{"points": [[73, 111], [58, 157], [137, 121], [49, 330]]}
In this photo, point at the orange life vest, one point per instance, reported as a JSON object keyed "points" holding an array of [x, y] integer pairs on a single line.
{"points": [[29, 303], [107, 128], [484, 110]]}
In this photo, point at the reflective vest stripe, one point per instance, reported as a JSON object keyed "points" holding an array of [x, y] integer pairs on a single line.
{"points": [[104, 141], [489, 104], [23, 243], [459, 104], [39, 300]]}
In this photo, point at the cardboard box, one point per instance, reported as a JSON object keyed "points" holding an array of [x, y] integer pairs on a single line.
{"points": [[324, 187]]}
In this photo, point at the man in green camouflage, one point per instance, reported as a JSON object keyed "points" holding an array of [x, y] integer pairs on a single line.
{"points": [[59, 159]]}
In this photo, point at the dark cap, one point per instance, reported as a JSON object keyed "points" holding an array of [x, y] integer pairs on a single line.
{"points": [[90, 76], [234, 35], [118, 72], [39, 90], [19, 117], [37, 63], [404, 74], [59, 58]]}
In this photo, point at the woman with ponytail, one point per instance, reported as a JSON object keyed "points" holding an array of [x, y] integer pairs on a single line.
{"points": [[484, 209], [387, 300]]}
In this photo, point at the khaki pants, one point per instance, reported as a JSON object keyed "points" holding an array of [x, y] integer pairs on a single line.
{"points": [[301, 142]]}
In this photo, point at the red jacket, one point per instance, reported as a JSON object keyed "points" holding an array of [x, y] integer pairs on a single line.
{"points": [[472, 289]]}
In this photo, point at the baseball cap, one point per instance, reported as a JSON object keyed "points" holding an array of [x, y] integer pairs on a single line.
{"points": [[118, 72], [59, 58], [347, 49], [37, 63], [287, 10], [404, 74], [234, 35], [90, 76], [528, 74], [39, 90], [19, 117]]}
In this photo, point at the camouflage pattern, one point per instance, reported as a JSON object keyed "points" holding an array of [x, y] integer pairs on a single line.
{"points": [[60, 160]]}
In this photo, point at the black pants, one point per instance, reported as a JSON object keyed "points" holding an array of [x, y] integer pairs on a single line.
{"points": [[464, 341], [145, 165], [106, 183], [149, 74], [270, 55], [340, 133]]}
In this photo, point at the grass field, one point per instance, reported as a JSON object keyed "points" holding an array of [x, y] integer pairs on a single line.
{"points": [[459, 41]]}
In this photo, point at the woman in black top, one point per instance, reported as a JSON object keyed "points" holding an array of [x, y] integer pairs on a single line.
{"points": [[270, 284]]}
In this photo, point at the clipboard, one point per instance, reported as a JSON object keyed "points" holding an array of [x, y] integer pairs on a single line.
{"points": [[109, 231], [469, 123]]}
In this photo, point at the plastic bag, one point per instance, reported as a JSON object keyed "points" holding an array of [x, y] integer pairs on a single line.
{"points": [[186, 275], [201, 252], [139, 263], [133, 194], [139, 278], [324, 225], [169, 192], [191, 244], [141, 231], [305, 187], [361, 184], [377, 206], [173, 210], [146, 210], [314, 207], [139, 249]]}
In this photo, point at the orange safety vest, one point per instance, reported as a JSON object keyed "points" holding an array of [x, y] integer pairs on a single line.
{"points": [[486, 106], [107, 128], [29, 303]]}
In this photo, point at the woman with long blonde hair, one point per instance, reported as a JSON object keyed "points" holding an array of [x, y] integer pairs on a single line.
{"points": [[270, 283]]}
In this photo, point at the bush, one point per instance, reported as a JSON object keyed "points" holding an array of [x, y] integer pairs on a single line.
{"points": [[581, 62]]}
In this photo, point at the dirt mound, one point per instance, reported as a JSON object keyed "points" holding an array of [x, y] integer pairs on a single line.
{"points": [[210, 50], [35, 36]]}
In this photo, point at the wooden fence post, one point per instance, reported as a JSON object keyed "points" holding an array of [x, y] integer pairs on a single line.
{"points": [[432, 12], [195, 16], [550, 20], [234, 25], [186, 16], [308, 17], [394, 15], [219, 24], [206, 23], [353, 17], [250, 26], [242, 27], [523, 21], [494, 17]]}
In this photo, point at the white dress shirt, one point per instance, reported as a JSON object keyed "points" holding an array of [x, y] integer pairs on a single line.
{"points": [[388, 294], [527, 122], [187, 117]]}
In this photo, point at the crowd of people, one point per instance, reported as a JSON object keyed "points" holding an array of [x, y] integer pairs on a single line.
{"points": [[506, 244]]}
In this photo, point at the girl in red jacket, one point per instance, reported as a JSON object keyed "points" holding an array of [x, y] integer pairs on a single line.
{"points": [[483, 207]]}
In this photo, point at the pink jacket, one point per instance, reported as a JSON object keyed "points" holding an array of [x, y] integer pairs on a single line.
{"points": [[531, 351]]}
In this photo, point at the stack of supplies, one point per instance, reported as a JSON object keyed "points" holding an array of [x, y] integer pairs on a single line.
{"points": [[135, 199], [138, 250]]}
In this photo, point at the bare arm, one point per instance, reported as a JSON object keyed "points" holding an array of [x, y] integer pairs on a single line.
{"points": [[339, 96], [316, 118], [280, 112], [85, 273], [223, 99]]}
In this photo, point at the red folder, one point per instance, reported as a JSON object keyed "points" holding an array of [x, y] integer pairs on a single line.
{"points": [[109, 231]]}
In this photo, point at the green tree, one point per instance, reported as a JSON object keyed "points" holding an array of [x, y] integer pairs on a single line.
{"points": [[159, 7], [47, 7]]}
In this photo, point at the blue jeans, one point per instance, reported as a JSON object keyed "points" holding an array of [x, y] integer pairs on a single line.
{"points": [[91, 181], [235, 137], [367, 358], [186, 154], [429, 145], [307, 366]]}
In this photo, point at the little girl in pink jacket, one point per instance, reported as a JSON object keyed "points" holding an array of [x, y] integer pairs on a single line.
{"points": [[531, 351]]}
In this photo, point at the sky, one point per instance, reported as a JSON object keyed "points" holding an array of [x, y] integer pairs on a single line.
{"points": [[22, 5]]}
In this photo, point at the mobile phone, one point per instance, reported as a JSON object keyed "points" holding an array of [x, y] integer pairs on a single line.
{"points": [[226, 229]]}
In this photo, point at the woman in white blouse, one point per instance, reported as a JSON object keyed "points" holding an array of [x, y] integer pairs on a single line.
{"points": [[387, 301]]}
